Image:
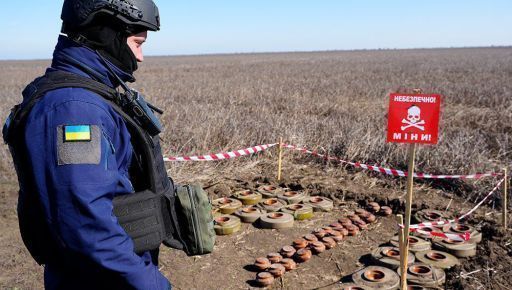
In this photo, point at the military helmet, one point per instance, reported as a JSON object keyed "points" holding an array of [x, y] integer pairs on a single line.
{"points": [[134, 15]]}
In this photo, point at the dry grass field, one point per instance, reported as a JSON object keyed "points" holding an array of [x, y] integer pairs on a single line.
{"points": [[337, 101], [334, 102]]}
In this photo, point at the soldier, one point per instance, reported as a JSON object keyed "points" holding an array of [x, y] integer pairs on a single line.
{"points": [[75, 152]]}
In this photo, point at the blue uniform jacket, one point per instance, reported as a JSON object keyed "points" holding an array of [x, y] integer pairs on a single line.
{"points": [[77, 198]]}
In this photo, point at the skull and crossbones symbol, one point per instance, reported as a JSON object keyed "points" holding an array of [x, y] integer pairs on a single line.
{"points": [[413, 119]]}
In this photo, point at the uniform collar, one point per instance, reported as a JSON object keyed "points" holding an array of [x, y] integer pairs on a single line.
{"points": [[72, 57]]}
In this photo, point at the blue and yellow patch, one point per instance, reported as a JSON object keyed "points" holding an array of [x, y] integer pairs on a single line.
{"points": [[77, 133]]}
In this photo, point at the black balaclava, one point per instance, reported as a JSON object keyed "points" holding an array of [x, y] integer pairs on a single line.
{"points": [[110, 41]]}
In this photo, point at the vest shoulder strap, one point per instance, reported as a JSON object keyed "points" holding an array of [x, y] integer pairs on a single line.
{"points": [[49, 82]]}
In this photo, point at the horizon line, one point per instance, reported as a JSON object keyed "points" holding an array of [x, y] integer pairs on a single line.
{"points": [[289, 52]]}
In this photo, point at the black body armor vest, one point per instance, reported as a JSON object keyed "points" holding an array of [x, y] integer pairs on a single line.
{"points": [[145, 215]]}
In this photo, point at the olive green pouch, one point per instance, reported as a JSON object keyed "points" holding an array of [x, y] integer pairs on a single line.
{"points": [[194, 213]]}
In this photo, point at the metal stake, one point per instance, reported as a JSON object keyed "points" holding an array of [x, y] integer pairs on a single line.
{"points": [[505, 200], [403, 267], [280, 160]]}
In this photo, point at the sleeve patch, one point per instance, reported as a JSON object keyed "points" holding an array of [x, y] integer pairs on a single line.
{"points": [[77, 133], [78, 144]]}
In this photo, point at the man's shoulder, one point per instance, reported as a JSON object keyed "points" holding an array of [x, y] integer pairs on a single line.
{"points": [[61, 96], [74, 98], [69, 103]]}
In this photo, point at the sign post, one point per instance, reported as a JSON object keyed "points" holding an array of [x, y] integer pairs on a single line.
{"points": [[408, 207], [412, 119]]}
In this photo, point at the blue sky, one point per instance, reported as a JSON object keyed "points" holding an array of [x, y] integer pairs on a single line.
{"points": [[229, 26]]}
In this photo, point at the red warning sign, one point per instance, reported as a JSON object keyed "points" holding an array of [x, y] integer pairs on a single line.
{"points": [[413, 118]]}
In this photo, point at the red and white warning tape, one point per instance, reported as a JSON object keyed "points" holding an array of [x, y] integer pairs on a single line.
{"points": [[455, 237], [221, 156], [389, 171], [445, 222]]}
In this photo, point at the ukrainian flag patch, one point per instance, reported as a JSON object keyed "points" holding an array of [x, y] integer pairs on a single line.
{"points": [[77, 133]]}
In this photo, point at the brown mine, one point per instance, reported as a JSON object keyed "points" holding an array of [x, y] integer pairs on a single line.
{"points": [[265, 278], [433, 216], [336, 225], [288, 263], [300, 242], [262, 261], [413, 240], [436, 256], [275, 215], [335, 233], [304, 254], [288, 249], [391, 253], [264, 275], [329, 242], [353, 217], [310, 237], [420, 270], [269, 188], [274, 257], [320, 233], [365, 215], [352, 228], [318, 247], [276, 267], [374, 275]]}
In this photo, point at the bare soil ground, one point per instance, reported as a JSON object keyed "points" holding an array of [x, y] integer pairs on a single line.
{"points": [[227, 267]]}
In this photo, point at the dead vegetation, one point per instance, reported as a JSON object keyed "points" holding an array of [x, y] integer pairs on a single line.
{"points": [[333, 101], [337, 102]]}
